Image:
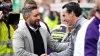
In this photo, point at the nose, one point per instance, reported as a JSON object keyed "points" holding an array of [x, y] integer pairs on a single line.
{"points": [[38, 17], [64, 18]]}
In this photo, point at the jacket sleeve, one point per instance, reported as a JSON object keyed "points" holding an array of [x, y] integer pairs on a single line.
{"points": [[67, 52], [18, 46], [56, 46]]}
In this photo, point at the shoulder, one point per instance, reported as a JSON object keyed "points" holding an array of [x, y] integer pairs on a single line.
{"points": [[21, 29], [89, 29], [43, 30], [83, 20], [92, 30], [44, 26]]}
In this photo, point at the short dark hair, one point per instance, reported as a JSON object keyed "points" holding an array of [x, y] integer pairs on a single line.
{"points": [[73, 6], [28, 7]]}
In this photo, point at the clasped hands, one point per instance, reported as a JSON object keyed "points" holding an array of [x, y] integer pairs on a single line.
{"points": [[45, 55]]}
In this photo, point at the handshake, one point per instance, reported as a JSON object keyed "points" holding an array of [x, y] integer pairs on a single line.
{"points": [[45, 55]]}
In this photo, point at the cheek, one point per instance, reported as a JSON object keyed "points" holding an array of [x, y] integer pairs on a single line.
{"points": [[66, 18], [33, 18], [69, 20]]}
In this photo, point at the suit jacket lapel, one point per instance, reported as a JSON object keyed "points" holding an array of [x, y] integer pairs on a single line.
{"points": [[29, 37], [44, 37]]}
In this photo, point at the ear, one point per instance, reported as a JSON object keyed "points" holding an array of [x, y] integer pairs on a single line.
{"points": [[26, 17], [72, 13]]}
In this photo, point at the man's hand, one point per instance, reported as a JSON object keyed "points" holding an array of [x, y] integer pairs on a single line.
{"points": [[44, 55]]}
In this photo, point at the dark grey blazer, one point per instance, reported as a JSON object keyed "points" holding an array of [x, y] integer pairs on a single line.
{"points": [[71, 38]]}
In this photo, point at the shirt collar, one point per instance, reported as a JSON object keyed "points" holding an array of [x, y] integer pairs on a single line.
{"points": [[33, 28], [77, 21]]}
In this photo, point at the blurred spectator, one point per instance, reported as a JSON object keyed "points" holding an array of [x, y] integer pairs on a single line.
{"points": [[91, 13], [55, 13], [59, 30], [46, 11], [88, 38], [40, 7], [6, 31], [91, 1], [51, 20]]}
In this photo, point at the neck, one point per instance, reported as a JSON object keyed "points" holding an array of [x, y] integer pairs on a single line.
{"points": [[74, 21], [33, 26], [98, 15]]}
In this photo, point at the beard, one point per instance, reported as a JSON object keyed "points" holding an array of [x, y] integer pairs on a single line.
{"points": [[35, 24]]}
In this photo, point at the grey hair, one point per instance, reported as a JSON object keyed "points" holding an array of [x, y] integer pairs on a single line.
{"points": [[28, 7]]}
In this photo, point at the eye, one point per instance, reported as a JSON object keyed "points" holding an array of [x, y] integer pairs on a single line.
{"points": [[63, 15]]}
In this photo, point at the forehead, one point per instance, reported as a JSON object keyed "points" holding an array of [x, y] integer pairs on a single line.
{"points": [[97, 2], [64, 10], [35, 11]]}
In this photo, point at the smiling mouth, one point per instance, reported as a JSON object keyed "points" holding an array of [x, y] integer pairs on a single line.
{"points": [[66, 21], [37, 23]]}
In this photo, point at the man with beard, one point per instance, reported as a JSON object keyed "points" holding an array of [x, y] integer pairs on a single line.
{"points": [[32, 39]]}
